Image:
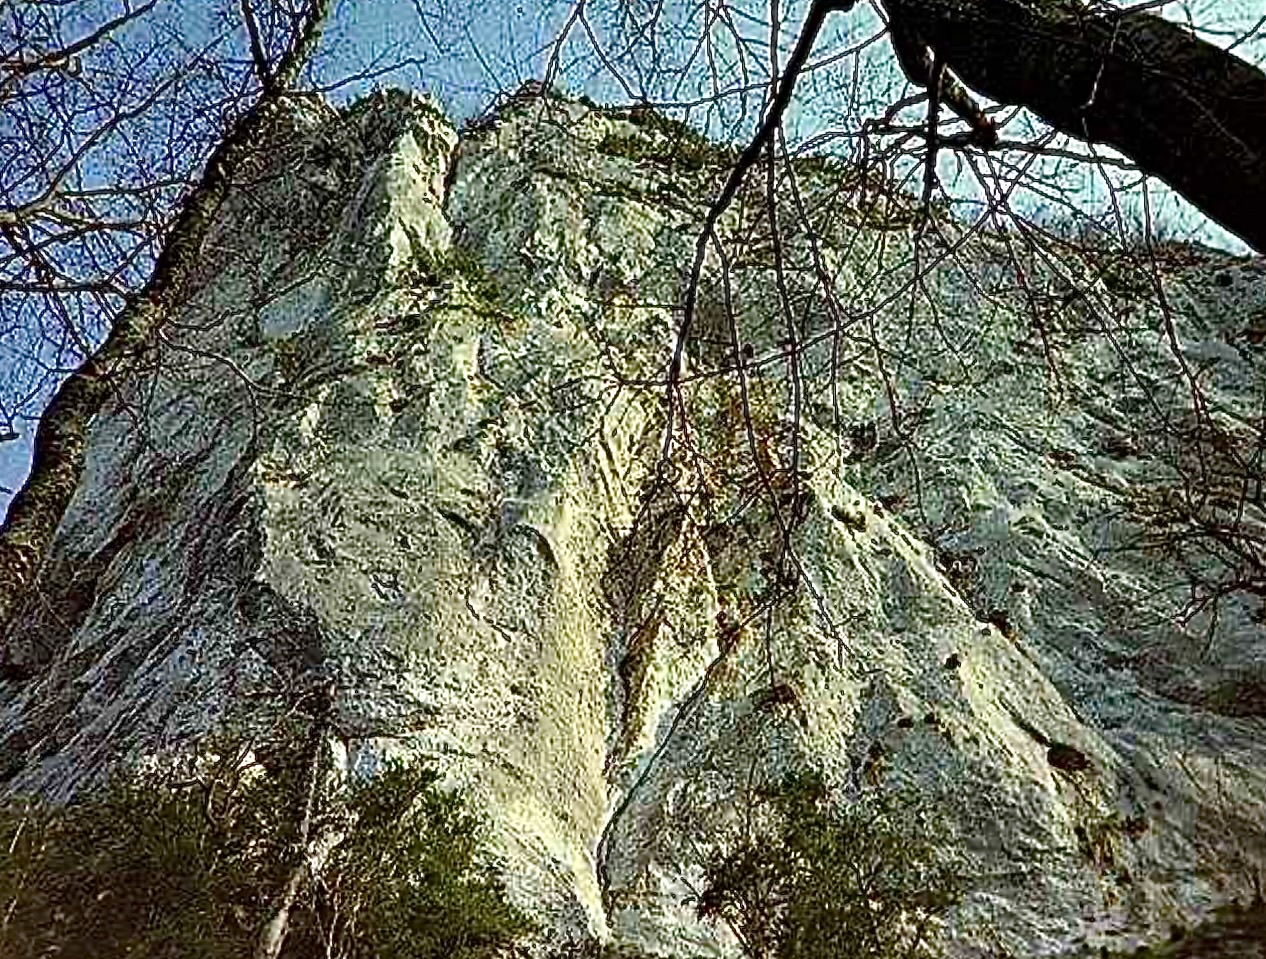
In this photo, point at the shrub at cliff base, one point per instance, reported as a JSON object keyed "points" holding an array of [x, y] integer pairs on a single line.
{"points": [[162, 871], [812, 879]]}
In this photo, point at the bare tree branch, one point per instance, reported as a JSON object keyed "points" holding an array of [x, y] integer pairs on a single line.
{"points": [[60, 441]]}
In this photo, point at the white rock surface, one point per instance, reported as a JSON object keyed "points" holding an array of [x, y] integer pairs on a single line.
{"points": [[408, 436]]}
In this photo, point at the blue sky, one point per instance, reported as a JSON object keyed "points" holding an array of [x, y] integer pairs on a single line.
{"points": [[466, 52], [461, 52]]}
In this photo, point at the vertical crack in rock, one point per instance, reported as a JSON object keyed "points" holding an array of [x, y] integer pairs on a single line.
{"points": [[633, 588], [681, 713]]}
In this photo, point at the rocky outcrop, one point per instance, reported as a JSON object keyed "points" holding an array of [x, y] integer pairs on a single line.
{"points": [[916, 523]]}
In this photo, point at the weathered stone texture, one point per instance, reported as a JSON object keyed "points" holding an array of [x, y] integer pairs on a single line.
{"points": [[408, 437]]}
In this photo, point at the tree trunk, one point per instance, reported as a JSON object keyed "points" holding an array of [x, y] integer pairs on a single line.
{"points": [[1182, 109], [307, 854]]}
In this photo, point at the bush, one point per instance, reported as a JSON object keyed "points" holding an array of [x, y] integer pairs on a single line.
{"points": [[186, 872], [134, 871], [814, 879], [409, 882]]}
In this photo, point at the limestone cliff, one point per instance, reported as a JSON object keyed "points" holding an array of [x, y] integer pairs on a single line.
{"points": [[408, 438]]}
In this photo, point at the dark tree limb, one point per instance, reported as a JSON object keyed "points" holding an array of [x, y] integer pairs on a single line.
{"points": [[61, 439], [263, 69], [747, 159], [1182, 109], [924, 70]]}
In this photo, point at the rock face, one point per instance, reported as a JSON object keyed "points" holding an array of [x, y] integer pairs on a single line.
{"points": [[942, 517]]}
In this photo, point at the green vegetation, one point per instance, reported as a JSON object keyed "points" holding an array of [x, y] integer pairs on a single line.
{"points": [[654, 121], [136, 872], [460, 262], [817, 879], [691, 155], [661, 139], [193, 871], [411, 880]]}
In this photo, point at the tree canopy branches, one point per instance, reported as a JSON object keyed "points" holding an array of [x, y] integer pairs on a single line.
{"points": [[60, 440], [1181, 108]]}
